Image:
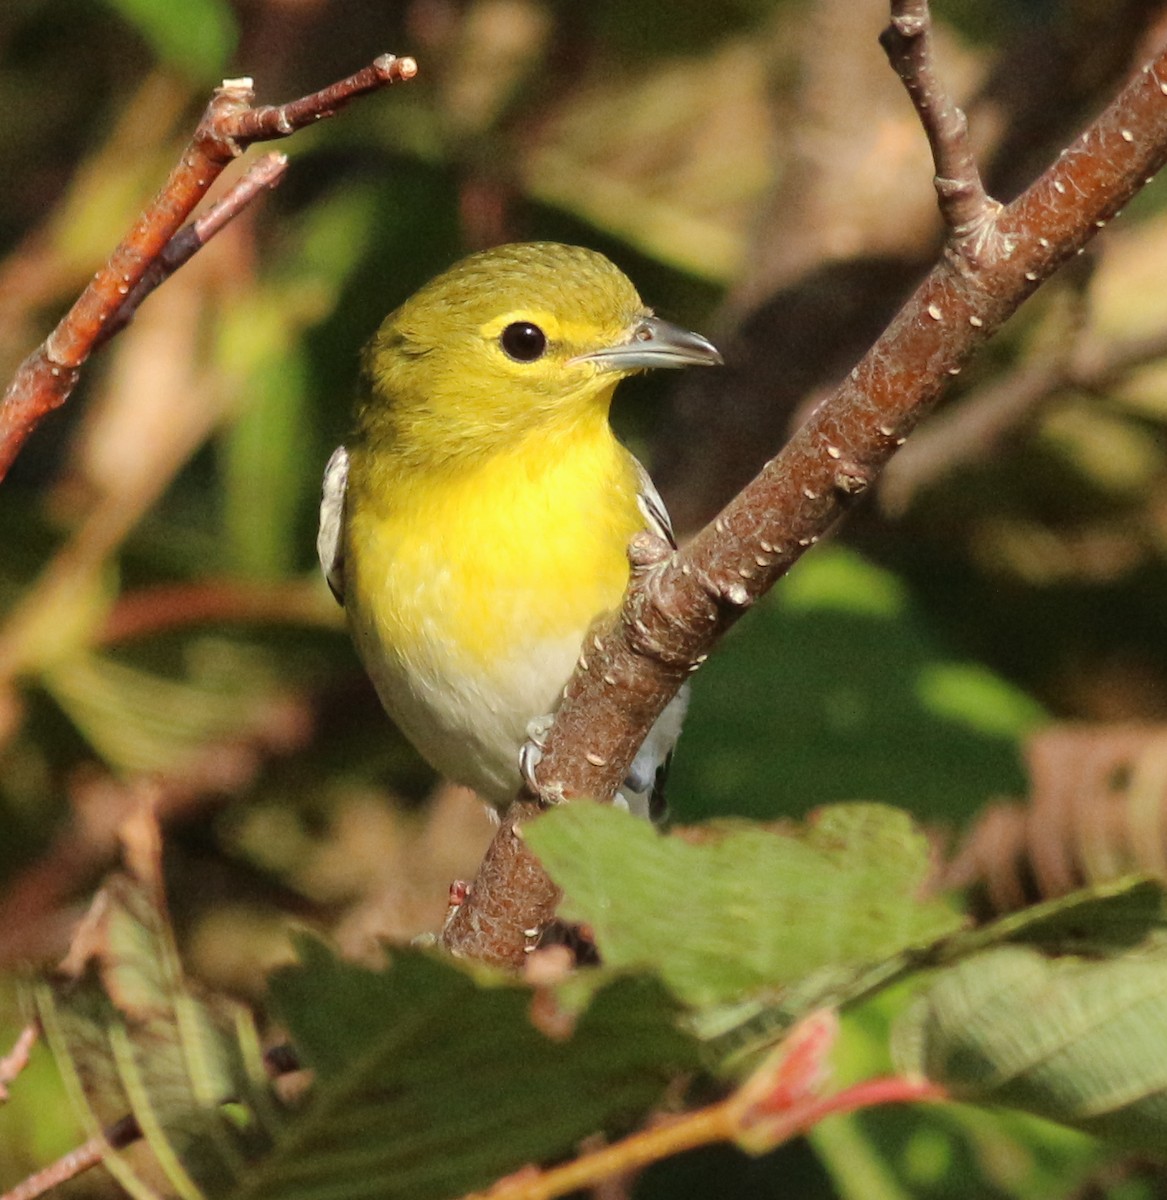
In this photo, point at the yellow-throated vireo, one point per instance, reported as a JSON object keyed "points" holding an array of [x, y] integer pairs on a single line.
{"points": [[475, 526]]}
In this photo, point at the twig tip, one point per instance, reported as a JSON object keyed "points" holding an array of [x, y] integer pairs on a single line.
{"points": [[389, 67]]}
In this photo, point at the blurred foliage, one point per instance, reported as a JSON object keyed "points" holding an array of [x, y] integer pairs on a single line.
{"points": [[837, 661], [196, 39], [756, 169]]}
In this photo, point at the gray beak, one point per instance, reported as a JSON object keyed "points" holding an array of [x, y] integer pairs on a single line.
{"points": [[655, 343]]}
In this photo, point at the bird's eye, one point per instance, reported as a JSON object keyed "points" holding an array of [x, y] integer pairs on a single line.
{"points": [[523, 341]]}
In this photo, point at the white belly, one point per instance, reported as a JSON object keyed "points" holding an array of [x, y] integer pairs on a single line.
{"points": [[469, 723]]}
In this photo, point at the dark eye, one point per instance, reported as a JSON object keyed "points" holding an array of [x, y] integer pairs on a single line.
{"points": [[523, 341]]}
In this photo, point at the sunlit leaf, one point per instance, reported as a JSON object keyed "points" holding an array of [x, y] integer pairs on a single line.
{"points": [[727, 910]]}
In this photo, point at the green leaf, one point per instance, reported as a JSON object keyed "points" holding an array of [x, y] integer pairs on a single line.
{"points": [[1074, 1040], [937, 1151], [264, 469], [431, 1080], [196, 36], [727, 910], [945, 1151]]}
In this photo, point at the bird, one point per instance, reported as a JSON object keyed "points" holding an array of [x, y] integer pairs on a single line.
{"points": [[475, 524]]}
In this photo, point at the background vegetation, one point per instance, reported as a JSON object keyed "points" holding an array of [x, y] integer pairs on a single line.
{"points": [[757, 170]]}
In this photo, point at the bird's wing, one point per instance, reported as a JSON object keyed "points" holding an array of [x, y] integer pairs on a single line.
{"points": [[330, 536], [643, 790], [652, 507]]}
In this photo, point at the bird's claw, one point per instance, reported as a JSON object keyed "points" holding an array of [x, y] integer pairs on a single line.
{"points": [[530, 756], [531, 752]]}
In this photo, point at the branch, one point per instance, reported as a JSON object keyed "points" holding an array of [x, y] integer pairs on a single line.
{"points": [[677, 607], [707, 1126], [164, 608], [14, 1062], [228, 126], [966, 208], [263, 176]]}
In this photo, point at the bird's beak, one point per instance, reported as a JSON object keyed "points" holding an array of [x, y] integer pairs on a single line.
{"points": [[655, 343]]}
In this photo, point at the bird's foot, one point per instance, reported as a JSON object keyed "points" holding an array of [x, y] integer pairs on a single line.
{"points": [[539, 727]]}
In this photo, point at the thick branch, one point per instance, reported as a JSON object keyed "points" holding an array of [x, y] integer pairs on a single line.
{"points": [[45, 379], [676, 610]]}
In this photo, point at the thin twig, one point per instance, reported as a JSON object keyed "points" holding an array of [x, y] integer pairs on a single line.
{"points": [[265, 175], [45, 379], [88, 1155], [17, 1058], [678, 607], [967, 209], [268, 122], [717, 1123]]}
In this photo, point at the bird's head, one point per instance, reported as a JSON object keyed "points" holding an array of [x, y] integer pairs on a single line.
{"points": [[520, 337]]}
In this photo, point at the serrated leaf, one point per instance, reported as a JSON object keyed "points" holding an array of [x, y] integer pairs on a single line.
{"points": [[725, 910], [1074, 1040], [430, 1081]]}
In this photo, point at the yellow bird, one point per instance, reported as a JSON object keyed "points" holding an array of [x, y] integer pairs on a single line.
{"points": [[475, 526]]}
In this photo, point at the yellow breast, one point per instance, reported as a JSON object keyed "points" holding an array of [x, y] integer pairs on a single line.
{"points": [[522, 547]]}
